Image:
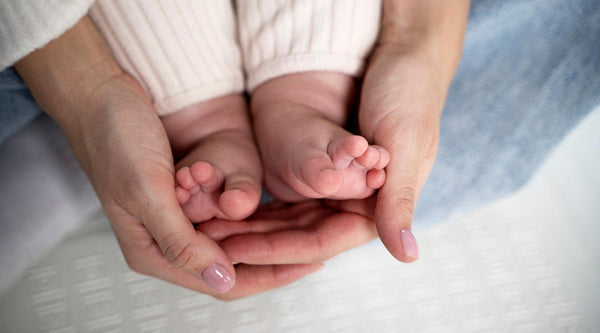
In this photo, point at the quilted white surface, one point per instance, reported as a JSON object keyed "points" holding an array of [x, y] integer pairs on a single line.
{"points": [[529, 263]]}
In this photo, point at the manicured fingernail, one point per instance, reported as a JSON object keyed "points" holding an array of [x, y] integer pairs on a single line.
{"points": [[409, 243], [218, 278]]}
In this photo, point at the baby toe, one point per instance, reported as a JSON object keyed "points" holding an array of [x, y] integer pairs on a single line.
{"points": [[184, 178], [369, 159], [375, 178], [384, 157], [319, 174], [240, 198], [209, 177], [182, 195], [343, 151]]}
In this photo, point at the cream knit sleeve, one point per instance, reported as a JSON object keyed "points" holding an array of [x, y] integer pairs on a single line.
{"points": [[181, 51], [26, 25], [280, 37]]}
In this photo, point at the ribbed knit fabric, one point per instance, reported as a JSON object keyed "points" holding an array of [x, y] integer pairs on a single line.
{"points": [[181, 51], [26, 25], [283, 37], [185, 51]]}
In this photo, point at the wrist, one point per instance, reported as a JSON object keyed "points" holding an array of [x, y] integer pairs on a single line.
{"points": [[435, 29], [74, 78], [69, 69], [426, 49]]}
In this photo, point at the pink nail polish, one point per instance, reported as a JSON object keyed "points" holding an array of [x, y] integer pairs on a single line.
{"points": [[218, 278], [409, 243]]}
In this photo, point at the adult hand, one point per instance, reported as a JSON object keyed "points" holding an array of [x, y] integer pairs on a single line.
{"points": [[282, 242], [402, 98], [121, 144]]}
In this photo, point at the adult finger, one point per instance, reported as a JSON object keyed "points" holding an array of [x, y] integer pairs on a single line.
{"points": [[253, 279], [364, 207], [290, 218], [411, 161], [394, 211], [250, 279], [312, 244], [182, 246]]}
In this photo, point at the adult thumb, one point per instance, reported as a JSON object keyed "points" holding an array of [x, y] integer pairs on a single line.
{"points": [[186, 249], [394, 210]]}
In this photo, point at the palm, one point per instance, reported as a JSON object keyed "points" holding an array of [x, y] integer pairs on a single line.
{"points": [[125, 152]]}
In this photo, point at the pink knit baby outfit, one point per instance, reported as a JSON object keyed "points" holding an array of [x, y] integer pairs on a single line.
{"points": [[187, 51]]}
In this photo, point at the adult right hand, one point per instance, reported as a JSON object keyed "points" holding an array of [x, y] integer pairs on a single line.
{"points": [[402, 98]]}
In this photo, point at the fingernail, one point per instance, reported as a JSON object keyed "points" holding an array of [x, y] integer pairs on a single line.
{"points": [[218, 278], [409, 243]]}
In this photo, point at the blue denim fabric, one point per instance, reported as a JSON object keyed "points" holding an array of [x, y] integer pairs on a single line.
{"points": [[530, 71], [17, 106]]}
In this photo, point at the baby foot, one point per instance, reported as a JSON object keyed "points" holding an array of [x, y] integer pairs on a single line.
{"points": [[201, 193], [198, 190], [349, 168], [220, 173], [306, 152]]}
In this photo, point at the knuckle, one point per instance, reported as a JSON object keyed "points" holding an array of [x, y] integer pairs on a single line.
{"points": [[404, 201], [179, 253]]}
